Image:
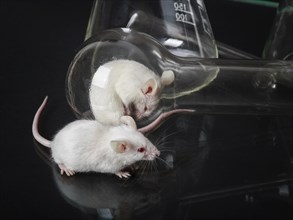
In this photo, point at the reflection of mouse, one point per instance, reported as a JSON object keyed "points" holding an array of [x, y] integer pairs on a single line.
{"points": [[126, 87], [102, 197], [87, 145]]}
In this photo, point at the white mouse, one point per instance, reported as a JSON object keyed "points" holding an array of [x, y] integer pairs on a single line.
{"points": [[88, 145], [125, 87]]}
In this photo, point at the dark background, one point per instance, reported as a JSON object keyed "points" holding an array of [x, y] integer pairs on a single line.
{"points": [[38, 41]]}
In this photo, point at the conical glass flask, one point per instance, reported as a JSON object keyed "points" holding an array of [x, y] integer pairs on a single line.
{"points": [[182, 26], [280, 42]]}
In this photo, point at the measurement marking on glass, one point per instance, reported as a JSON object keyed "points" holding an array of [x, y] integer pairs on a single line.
{"points": [[183, 14], [188, 12], [186, 22]]}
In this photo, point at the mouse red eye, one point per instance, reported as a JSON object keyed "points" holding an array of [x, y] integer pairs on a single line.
{"points": [[145, 108], [141, 149]]}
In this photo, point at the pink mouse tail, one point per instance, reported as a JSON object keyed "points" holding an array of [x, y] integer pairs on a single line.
{"points": [[35, 130], [156, 123]]}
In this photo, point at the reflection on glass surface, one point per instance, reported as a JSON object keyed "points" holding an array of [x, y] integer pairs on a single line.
{"points": [[233, 158], [185, 21], [243, 159], [279, 44], [206, 85]]}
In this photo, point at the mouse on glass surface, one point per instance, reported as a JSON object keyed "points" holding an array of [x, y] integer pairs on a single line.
{"points": [[126, 87], [88, 145]]}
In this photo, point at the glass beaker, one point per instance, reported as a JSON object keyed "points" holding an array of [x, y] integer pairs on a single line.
{"points": [[280, 42], [182, 26]]}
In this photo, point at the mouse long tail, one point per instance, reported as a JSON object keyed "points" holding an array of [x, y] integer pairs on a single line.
{"points": [[156, 123], [35, 130]]}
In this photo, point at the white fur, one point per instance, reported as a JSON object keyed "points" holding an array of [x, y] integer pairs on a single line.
{"points": [[85, 145], [121, 84]]}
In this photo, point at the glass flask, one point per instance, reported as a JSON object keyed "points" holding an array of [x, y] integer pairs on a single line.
{"points": [[171, 22], [182, 26], [235, 145], [209, 86], [280, 44]]}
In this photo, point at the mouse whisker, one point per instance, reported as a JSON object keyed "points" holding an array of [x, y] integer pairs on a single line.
{"points": [[163, 139], [145, 166], [167, 150], [171, 134], [164, 162], [142, 168], [151, 167], [165, 145], [155, 166]]}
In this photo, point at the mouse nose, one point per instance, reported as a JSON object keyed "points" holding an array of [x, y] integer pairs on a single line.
{"points": [[157, 153]]}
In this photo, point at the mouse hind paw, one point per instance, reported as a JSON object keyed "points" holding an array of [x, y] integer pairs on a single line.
{"points": [[64, 169], [122, 174]]}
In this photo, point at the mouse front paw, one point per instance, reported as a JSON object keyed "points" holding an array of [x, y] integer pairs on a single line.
{"points": [[63, 169], [122, 174]]}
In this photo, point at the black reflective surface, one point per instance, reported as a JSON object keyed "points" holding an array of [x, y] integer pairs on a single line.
{"points": [[216, 167]]}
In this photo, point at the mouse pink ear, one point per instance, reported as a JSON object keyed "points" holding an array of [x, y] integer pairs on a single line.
{"points": [[119, 146], [129, 121], [150, 87]]}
